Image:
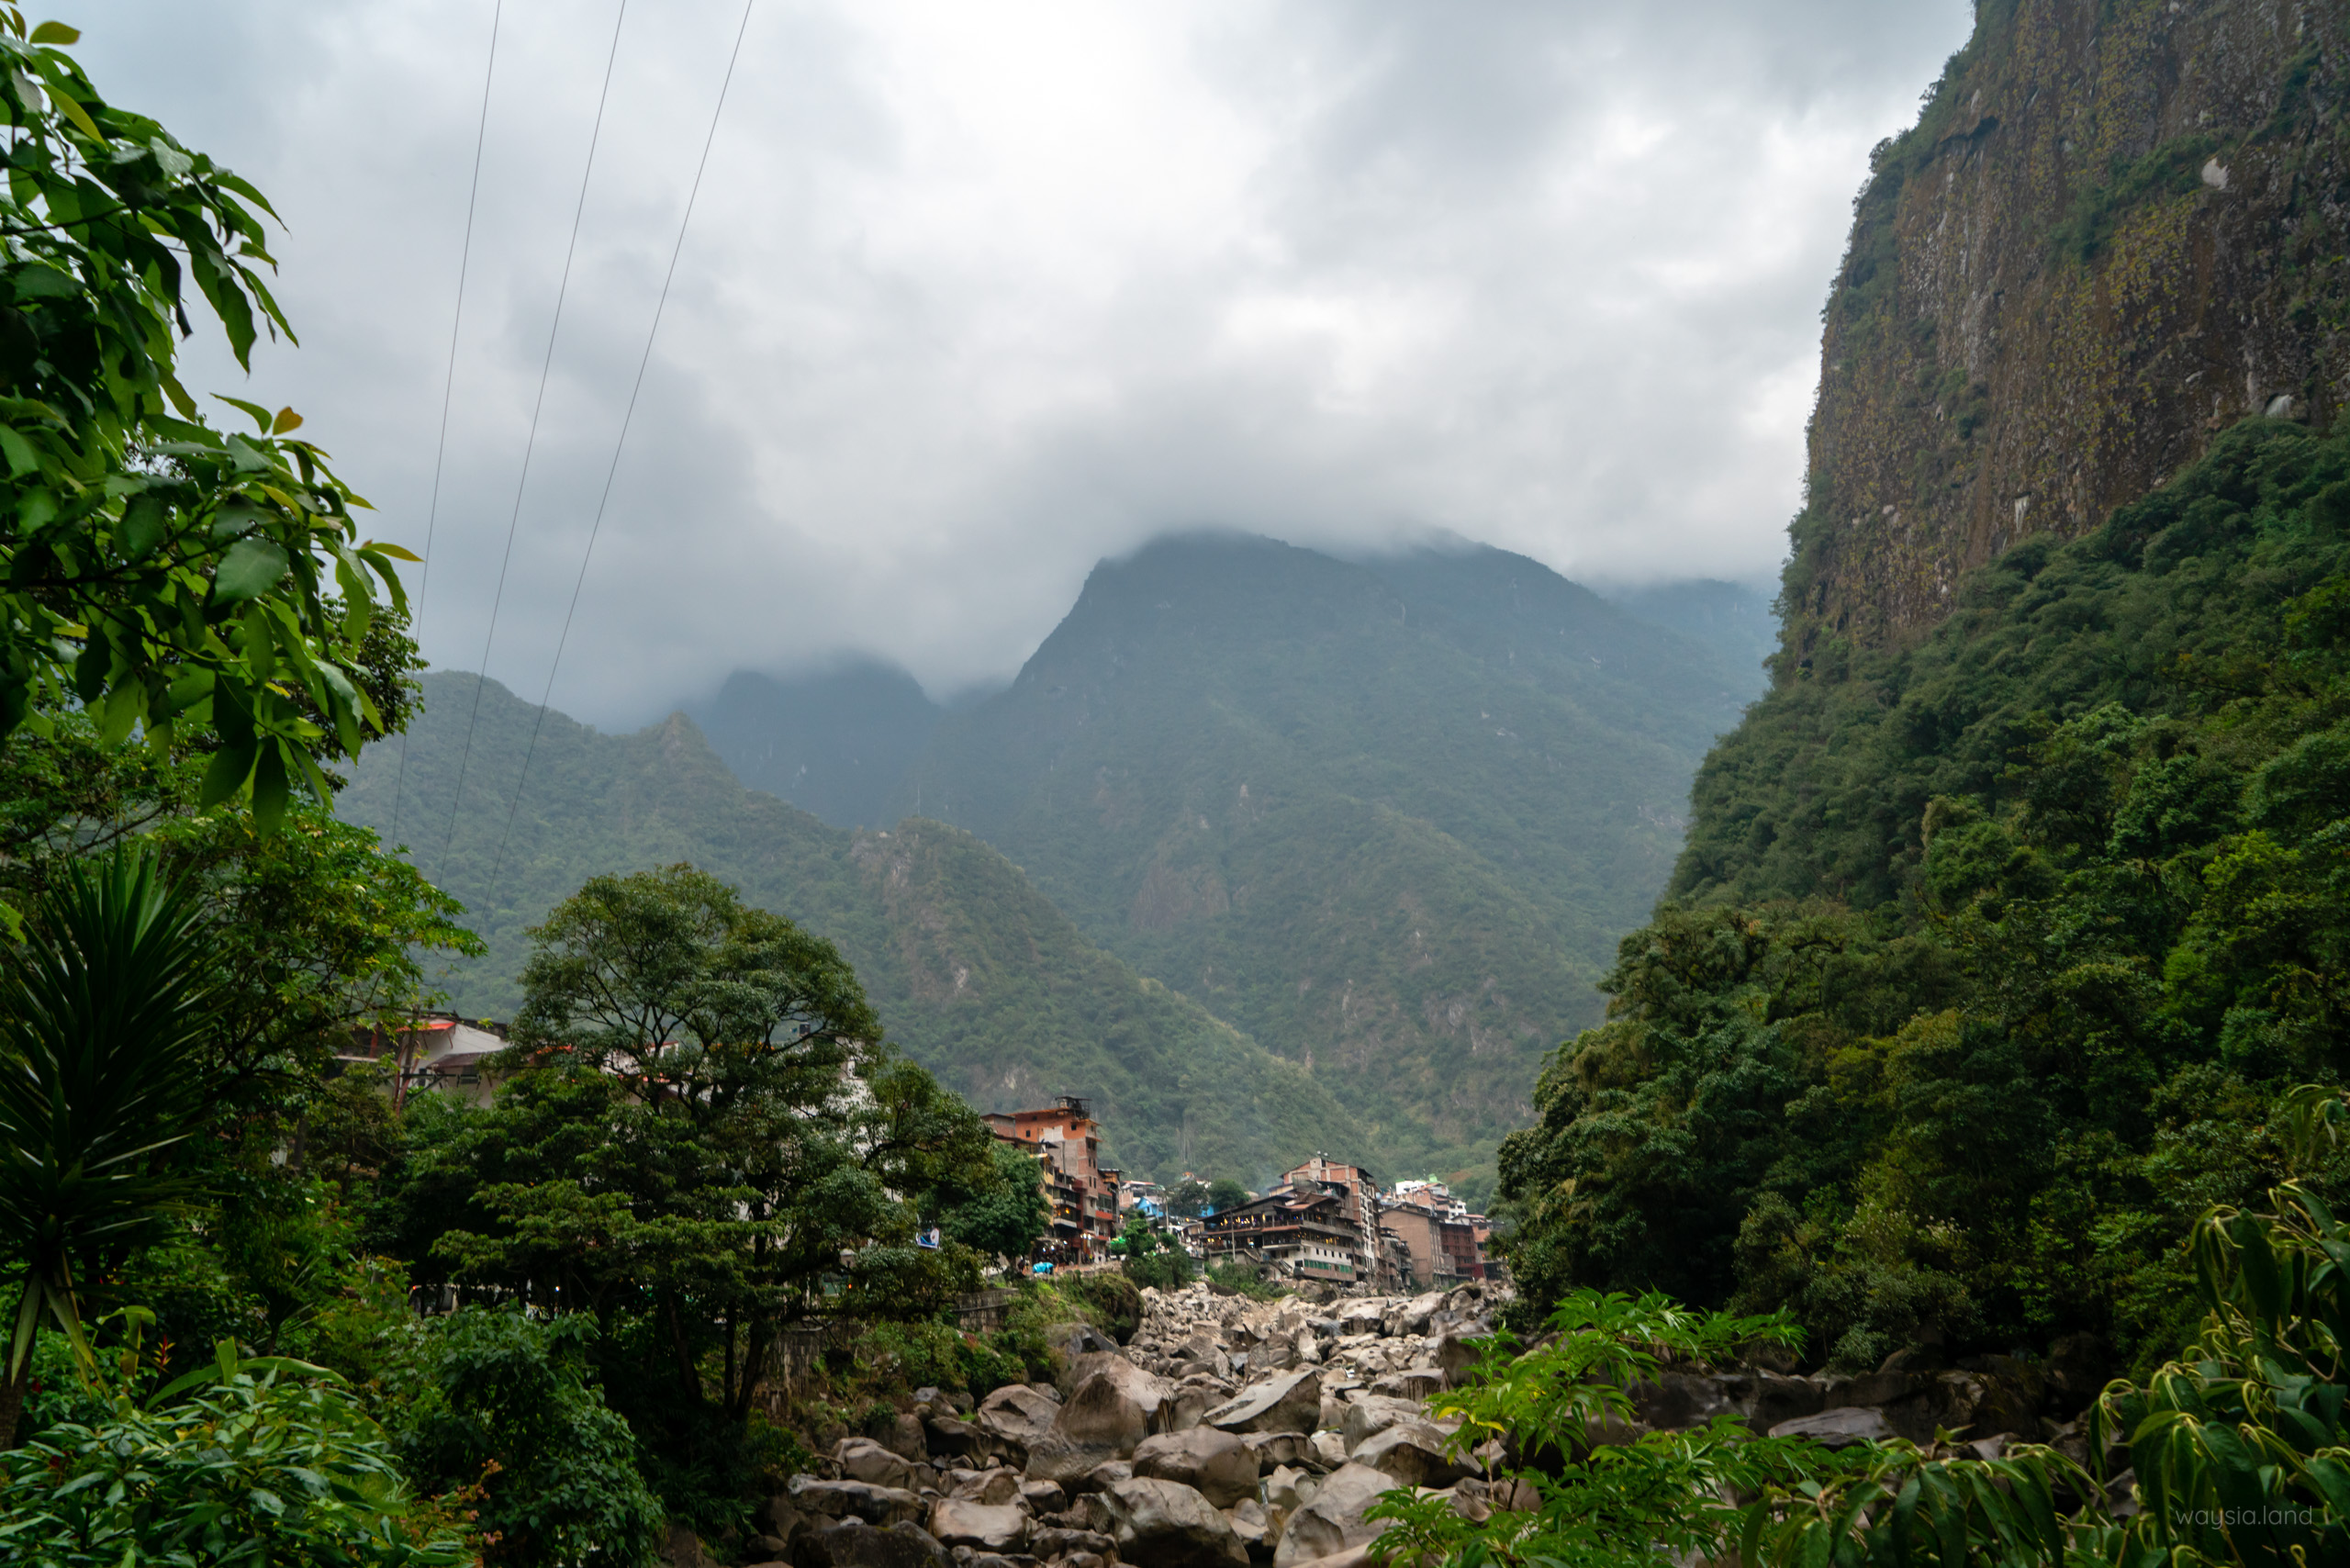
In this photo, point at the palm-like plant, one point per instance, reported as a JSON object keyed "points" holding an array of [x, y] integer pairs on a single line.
{"points": [[104, 1007]]}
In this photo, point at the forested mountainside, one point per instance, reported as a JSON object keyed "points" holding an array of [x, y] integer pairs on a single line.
{"points": [[2118, 227], [1388, 817], [975, 974], [2003, 951]]}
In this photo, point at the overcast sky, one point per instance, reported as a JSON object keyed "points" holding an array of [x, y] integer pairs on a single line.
{"points": [[976, 295]]}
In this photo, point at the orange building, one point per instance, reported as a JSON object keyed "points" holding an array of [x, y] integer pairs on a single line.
{"points": [[1080, 1192]]}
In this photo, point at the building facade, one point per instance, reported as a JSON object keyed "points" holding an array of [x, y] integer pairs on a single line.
{"points": [[1302, 1230], [1444, 1241], [1080, 1194]]}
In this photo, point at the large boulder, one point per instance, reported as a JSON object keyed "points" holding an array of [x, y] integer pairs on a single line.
{"points": [[994, 1488], [1373, 1414], [846, 1500], [862, 1459], [1836, 1428], [1164, 1524], [1289, 1403], [1333, 1521], [1216, 1465], [1414, 1453], [1016, 1413], [984, 1527], [1115, 1408], [865, 1546], [906, 1439]]}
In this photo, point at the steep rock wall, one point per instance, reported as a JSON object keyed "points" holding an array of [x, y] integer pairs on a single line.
{"points": [[2118, 227]]}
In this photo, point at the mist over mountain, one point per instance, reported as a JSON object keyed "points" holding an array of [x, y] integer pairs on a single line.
{"points": [[834, 743]]}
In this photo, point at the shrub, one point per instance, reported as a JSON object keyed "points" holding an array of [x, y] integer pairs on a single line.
{"points": [[506, 1406], [264, 1463]]}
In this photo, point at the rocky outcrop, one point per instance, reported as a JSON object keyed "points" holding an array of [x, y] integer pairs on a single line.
{"points": [[2116, 228]]}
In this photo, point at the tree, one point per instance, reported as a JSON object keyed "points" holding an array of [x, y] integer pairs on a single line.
{"points": [[706, 1129], [1224, 1193], [104, 1011], [1187, 1200], [1005, 1219], [160, 574]]}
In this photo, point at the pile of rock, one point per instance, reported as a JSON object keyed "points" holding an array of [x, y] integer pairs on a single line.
{"points": [[1227, 1432], [1230, 1432]]}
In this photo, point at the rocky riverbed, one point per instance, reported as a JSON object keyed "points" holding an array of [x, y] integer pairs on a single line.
{"points": [[1231, 1432]]}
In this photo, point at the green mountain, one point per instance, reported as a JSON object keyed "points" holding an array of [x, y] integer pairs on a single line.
{"points": [[975, 975], [1387, 817]]}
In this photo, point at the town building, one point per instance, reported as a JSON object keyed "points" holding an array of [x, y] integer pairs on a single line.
{"points": [[1302, 1230], [1080, 1194], [430, 1053], [1445, 1242], [1359, 1204]]}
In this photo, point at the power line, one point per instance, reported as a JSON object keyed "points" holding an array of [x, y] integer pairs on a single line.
{"points": [[530, 445], [627, 418], [449, 382]]}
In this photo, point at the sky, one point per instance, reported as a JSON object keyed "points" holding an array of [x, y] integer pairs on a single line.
{"points": [[975, 296]]}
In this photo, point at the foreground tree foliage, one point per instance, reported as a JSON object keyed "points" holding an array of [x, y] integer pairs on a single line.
{"points": [[159, 574], [2000, 955], [245, 1461]]}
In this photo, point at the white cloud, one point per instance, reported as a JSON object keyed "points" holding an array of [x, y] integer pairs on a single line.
{"points": [[976, 295]]}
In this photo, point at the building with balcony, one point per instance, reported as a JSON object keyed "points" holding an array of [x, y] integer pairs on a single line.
{"points": [[1080, 1194]]}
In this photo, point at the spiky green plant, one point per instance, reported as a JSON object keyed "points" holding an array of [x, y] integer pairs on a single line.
{"points": [[103, 1008]]}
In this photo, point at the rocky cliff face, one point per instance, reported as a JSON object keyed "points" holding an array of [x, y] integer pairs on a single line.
{"points": [[2118, 227]]}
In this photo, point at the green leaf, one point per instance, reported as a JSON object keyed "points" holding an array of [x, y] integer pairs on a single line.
{"points": [[19, 452], [269, 786], [288, 419], [394, 551], [55, 32], [260, 415], [226, 777], [144, 522], [251, 566]]}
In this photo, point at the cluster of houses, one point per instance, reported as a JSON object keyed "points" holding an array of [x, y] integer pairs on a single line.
{"points": [[1326, 1221]]}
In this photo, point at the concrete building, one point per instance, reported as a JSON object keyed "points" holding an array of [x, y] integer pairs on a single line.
{"points": [[1359, 1204], [1080, 1191], [434, 1053], [1444, 1241], [1300, 1230]]}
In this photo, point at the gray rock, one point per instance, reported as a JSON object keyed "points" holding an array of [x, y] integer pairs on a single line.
{"points": [[906, 1439], [992, 1488], [1836, 1428], [1412, 1452], [1115, 1406], [1049, 1544], [981, 1525], [1253, 1528], [1164, 1524], [1043, 1497], [1333, 1521], [1216, 1465], [1017, 1413], [877, 1505], [862, 1546], [1289, 1403], [1327, 1449], [1273, 1448], [1376, 1413], [862, 1459]]}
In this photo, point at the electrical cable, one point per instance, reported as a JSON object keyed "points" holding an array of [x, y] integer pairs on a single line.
{"points": [[449, 382], [620, 443], [529, 445]]}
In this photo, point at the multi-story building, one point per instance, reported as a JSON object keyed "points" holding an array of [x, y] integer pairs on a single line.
{"points": [[1080, 1194], [1302, 1228], [1359, 1204], [1445, 1241], [430, 1052]]}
